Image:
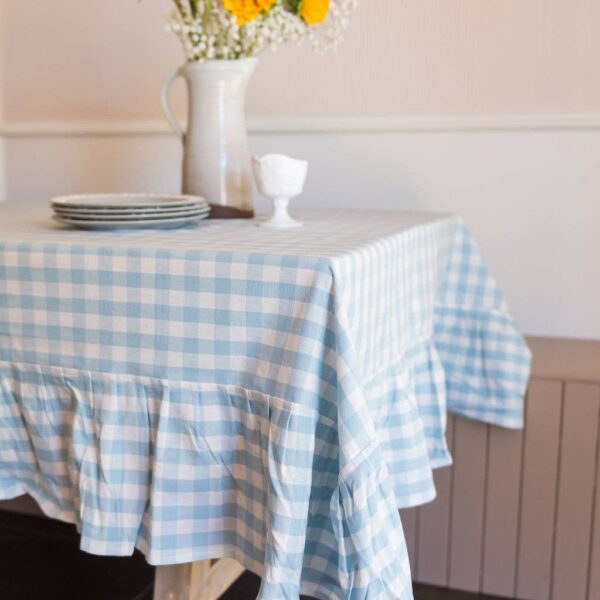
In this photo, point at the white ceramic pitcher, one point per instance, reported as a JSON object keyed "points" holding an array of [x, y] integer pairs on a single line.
{"points": [[216, 158]]}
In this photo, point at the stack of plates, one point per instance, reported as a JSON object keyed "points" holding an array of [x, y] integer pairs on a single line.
{"points": [[129, 211]]}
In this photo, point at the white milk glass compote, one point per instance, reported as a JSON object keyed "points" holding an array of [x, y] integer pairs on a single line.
{"points": [[280, 178]]}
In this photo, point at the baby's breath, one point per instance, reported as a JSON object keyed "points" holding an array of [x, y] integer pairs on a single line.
{"points": [[208, 31]]}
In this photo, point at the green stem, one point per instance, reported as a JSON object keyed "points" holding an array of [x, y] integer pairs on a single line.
{"points": [[180, 8], [194, 8], [206, 15]]}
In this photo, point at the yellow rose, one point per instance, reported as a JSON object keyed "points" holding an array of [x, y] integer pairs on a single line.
{"points": [[313, 11], [247, 10]]}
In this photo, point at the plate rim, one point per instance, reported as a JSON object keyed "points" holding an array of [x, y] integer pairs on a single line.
{"points": [[130, 216], [136, 200], [142, 211], [123, 224]]}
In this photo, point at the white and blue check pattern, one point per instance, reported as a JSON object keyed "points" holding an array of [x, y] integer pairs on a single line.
{"points": [[227, 391]]}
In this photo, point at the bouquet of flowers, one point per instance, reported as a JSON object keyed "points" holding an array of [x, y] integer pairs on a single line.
{"points": [[234, 29]]}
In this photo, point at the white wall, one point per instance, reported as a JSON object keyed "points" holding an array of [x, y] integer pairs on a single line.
{"points": [[74, 59], [530, 189], [2, 95]]}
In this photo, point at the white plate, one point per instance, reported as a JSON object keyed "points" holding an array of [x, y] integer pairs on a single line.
{"points": [[129, 211], [124, 201], [151, 224], [88, 216]]}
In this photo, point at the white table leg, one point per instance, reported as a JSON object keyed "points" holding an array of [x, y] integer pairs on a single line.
{"points": [[202, 580]]}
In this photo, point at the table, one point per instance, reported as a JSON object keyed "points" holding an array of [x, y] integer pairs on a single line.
{"points": [[271, 397]]}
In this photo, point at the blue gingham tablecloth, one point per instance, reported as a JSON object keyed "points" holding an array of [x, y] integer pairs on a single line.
{"points": [[269, 396]]}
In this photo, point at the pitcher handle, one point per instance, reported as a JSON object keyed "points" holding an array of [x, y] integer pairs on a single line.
{"points": [[166, 106]]}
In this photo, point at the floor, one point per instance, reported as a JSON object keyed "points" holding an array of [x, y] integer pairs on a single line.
{"points": [[40, 560], [246, 587]]}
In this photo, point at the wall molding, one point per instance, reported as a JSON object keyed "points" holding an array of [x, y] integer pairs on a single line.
{"points": [[2, 172], [300, 125]]}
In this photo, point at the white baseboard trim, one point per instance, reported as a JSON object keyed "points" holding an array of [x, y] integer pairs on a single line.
{"points": [[287, 125]]}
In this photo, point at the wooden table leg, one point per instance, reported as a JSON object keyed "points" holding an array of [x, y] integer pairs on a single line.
{"points": [[202, 580]]}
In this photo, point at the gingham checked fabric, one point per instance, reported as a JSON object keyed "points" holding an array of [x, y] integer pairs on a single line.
{"points": [[228, 391]]}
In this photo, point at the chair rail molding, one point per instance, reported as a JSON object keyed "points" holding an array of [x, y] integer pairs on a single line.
{"points": [[2, 172], [286, 125]]}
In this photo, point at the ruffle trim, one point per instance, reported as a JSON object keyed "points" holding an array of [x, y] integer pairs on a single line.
{"points": [[408, 402], [129, 460], [486, 362], [372, 550]]}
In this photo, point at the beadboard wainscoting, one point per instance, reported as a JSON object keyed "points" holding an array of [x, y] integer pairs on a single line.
{"points": [[527, 186], [518, 515]]}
